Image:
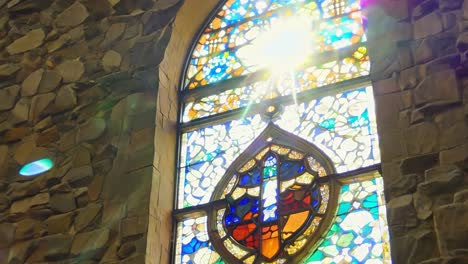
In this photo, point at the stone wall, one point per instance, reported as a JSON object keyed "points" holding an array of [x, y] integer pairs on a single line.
{"points": [[419, 71], [79, 83]]}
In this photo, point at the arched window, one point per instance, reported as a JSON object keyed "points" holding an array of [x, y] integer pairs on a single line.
{"points": [[278, 149]]}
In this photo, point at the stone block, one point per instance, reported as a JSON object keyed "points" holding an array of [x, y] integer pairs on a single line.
{"points": [[63, 202], [8, 96], [71, 70], [457, 155], [31, 40], [59, 223], [7, 234], [386, 86], [51, 248], [19, 252], [451, 228], [87, 216], [79, 176], [91, 244], [91, 130], [441, 181], [22, 206], [440, 87], [387, 108], [422, 138], [27, 229], [18, 190], [31, 83], [72, 16], [401, 212], [39, 104], [133, 226], [425, 246], [430, 24], [423, 205]]}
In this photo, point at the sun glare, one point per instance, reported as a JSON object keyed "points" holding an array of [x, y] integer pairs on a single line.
{"points": [[283, 47]]}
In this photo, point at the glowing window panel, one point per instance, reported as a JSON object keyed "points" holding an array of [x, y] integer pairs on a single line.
{"points": [[234, 11], [359, 233], [36, 167], [330, 35], [343, 126], [354, 66], [233, 51]]}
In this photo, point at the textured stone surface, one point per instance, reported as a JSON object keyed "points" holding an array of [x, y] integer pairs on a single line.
{"points": [[8, 96], [31, 40], [6, 70], [111, 61], [450, 223], [91, 130], [64, 65], [90, 243], [86, 216], [31, 83], [72, 16], [71, 71]]}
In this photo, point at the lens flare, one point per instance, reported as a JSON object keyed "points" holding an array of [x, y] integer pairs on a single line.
{"points": [[283, 47], [36, 167]]}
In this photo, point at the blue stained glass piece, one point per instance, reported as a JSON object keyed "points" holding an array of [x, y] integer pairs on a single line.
{"points": [[229, 219], [244, 201], [251, 179], [290, 169], [36, 167], [329, 124], [270, 161], [315, 203], [193, 246], [245, 180], [254, 209]]}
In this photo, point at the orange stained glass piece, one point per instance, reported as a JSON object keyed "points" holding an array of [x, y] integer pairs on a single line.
{"points": [[242, 231], [295, 221], [270, 247]]}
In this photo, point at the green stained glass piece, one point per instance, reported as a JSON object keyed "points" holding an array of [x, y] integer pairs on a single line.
{"points": [[36, 167], [269, 172], [317, 256], [345, 240]]}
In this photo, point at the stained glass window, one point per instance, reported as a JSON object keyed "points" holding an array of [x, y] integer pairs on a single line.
{"points": [[279, 157]]}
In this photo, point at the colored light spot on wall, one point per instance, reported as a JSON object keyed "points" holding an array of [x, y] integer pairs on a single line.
{"points": [[36, 167]]}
